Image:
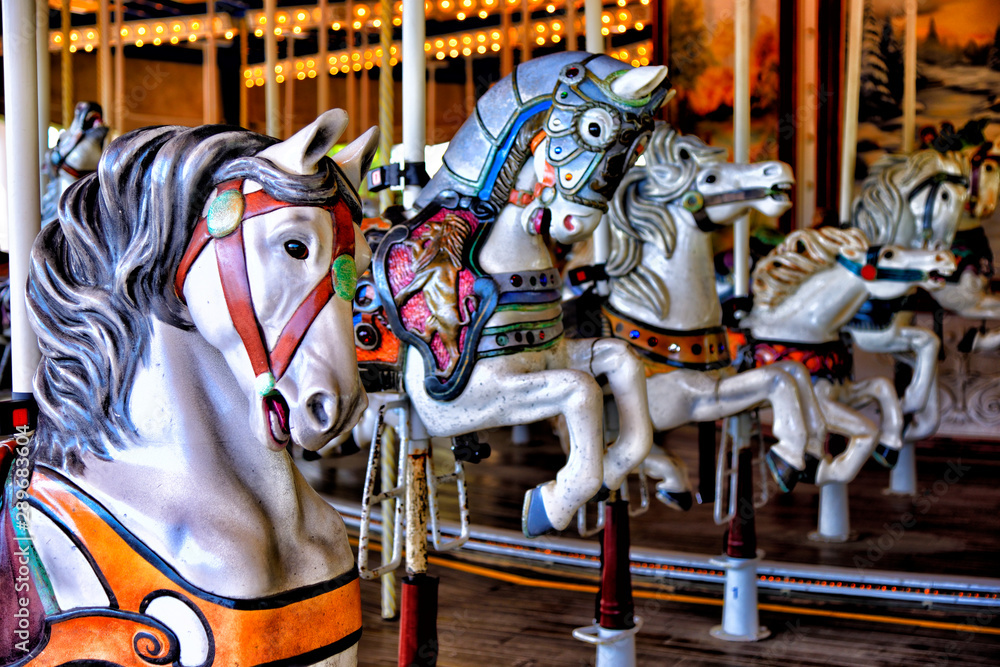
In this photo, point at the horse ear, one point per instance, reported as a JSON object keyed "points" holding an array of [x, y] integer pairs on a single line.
{"points": [[637, 83], [356, 157], [300, 153]]}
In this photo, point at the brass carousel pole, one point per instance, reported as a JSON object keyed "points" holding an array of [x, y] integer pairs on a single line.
{"points": [[244, 62], [271, 113], [386, 103], [67, 67], [323, 59], [105, 82], [119, 99]]}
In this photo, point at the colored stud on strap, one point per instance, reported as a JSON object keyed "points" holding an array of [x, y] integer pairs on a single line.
{"points": [[693, 201], [345, 274], [225, 213], [264, 384], [868, 272]]}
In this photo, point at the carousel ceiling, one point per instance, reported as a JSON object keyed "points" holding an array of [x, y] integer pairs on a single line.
{"points": [[456, 29]]}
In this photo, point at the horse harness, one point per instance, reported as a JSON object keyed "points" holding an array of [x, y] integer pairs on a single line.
{"points": [[223, 224], [870, 270], [274, 629], [666, 350], [696, 203]]}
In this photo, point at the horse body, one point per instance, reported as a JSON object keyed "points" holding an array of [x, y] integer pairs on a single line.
{"points": [[662, 270], [170, 472], [806, 291], [913, 202], [542, 153]]}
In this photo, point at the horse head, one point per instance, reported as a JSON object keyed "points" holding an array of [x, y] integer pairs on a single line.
{"points": [[981, 166], [891, 271], [79, 146], [575, 122], [300, 267], [248, 242], [685, 170], [913, 201]]}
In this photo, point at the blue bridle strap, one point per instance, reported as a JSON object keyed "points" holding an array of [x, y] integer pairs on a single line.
{"points": [[504, 150], [871, 259]]}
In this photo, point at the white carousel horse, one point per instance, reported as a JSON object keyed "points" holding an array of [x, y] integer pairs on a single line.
{"points": [[468, 284], [914, 203], [805, 292], [75, 154], [193, 311], [663, 301]]}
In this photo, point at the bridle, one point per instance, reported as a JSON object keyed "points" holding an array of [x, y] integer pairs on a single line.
{"points": [[871, 271], [695, 203], [934, 182], [224, 225]]}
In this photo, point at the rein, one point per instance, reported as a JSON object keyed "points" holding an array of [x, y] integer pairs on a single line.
{"points": [[934, 182], [871, 271], [223, 224], [695, 203]]}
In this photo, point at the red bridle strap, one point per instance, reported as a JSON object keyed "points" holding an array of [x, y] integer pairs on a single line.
{"points": [[230, 255]]}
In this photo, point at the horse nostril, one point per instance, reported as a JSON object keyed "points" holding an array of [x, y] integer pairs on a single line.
{"points": [[322, 408]]}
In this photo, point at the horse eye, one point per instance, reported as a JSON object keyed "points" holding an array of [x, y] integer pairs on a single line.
{"points": [[684, 154], [945, 196], [296, 249], [710, 178], [887, 254], [594, 129]]}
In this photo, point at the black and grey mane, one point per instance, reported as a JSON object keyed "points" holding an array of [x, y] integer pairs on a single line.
{"points": [[107, 266]]}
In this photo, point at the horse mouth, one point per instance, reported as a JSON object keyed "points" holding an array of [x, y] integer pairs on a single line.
{"points": [[276, 414], [541, 221], [782, 191], [937, 278]]}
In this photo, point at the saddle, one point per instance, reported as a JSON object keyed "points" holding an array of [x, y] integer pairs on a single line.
{"points": [[238, 631]]}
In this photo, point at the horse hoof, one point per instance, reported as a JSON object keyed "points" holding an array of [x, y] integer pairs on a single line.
{"points": [[534, 521], [808, 475], [675, 500], [968, 341], [886, 456], [782, 471]]}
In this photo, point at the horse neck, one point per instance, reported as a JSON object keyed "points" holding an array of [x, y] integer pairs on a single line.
{"points": [[689, 275], [190, 417], [510, 247], [815, 313]]}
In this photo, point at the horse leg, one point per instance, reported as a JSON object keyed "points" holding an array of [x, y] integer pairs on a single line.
{"points": [[882, 391], [924, 344], [811, 410], [925, 422], [516, 389], [674, 488], [626, 377], [861, 432]]}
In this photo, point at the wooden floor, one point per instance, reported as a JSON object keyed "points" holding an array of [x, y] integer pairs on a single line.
{"points": [[487, 619]]}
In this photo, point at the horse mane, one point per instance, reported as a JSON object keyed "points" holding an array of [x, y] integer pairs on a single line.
{"points": [[519, 153], [99, 273], [804, 253], [882, 204], [638, 217], [452, 230]]}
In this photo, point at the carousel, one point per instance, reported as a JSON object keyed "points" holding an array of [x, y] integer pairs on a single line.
{"points": [[665, 335]]}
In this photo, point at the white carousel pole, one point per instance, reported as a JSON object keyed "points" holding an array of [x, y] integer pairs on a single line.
{"points": [[740, 620], [23, 196], [271, 113], [323, 59], [910, 78], [852, 93], [104, 74], [414, 90], [592, 19], [43, 68]]}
